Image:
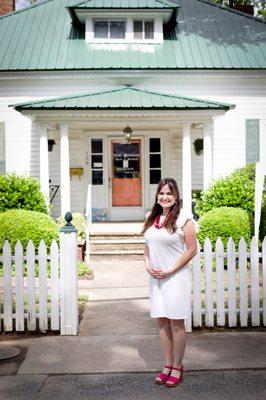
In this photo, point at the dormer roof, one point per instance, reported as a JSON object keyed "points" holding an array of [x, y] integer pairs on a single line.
{"points": [[79, 10]]}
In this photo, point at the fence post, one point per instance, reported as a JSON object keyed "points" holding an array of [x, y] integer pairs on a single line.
{"points": [[68, 278]]}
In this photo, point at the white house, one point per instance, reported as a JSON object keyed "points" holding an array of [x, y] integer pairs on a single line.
{"points": [[124, 88]]}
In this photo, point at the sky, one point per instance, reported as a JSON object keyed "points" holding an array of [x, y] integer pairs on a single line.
{"points": [[22, 3]]}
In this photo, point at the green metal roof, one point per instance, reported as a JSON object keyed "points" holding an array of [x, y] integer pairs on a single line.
{"points": [[124, 4], [125, 97], [207, 36]]}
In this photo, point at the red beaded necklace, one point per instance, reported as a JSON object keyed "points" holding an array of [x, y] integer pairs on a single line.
{"points": [[162, 224]]}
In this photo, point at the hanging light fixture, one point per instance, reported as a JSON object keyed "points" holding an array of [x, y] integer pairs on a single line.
{"points": [[127, 133], [51, 143]]}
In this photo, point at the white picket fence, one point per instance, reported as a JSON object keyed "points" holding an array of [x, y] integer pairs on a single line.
{"points": [[228, 287], [40, 303]]}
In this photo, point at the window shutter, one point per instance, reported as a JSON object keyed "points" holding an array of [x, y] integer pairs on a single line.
{"points": [[2, 149], [252, 140]]}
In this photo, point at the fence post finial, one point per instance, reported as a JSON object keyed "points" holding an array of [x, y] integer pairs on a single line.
{"points": [[68, 227]]}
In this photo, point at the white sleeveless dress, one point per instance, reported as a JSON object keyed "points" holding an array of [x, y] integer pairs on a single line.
{"points": [[169, 297]]}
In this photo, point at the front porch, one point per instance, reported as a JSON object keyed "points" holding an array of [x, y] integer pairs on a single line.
{"points": [[115, 177]]}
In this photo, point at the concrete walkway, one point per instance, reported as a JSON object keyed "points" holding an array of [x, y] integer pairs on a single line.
{"points": [[118, 345]]}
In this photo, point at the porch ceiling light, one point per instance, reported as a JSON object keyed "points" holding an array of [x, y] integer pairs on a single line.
{"points": [[51, 143], [127, 133]]}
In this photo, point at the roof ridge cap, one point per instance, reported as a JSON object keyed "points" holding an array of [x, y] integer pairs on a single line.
{"points": [[179, 96], [209, 2], [39, 3], [111, 89]]}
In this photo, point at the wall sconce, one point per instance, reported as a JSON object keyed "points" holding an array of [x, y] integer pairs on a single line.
{"points": [[51, 143], [127, 133]]}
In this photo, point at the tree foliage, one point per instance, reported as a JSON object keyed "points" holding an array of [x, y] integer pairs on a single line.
{"points": [[259, 5]]}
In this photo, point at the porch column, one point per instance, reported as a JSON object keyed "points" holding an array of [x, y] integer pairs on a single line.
{"points": [[186, 168], [44, 162], [207, 155], [64, 169]]}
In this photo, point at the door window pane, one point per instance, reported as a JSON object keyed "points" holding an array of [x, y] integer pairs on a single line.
{"points": [[101, 29], [137, 29], [149, 30], [97, 177], [126, 160], [155, 176], [96, 145], [96, 161], [155, 145], [155, 160], [117, 29]]}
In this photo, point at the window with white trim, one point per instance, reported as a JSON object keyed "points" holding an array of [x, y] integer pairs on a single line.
{"points": [[2, 149], [155, 160], [97, 161], [143, 29], [109, 29]]}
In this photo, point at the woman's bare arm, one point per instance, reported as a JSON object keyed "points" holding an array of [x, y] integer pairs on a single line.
{"points": [[191, 244]]}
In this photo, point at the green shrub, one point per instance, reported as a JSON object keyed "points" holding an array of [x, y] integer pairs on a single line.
{"points": [[24, 225], [236, 190], [80, 224], [18, 192], [224, 222]]}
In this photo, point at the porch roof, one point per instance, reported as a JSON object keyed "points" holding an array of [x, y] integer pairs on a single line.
{"points": [[125, 97]]}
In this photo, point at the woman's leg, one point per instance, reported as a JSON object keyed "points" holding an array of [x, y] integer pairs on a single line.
{"points": [[166, 339], [179, 344]]}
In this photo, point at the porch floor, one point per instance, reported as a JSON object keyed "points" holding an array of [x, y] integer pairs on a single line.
{"points": [[125, 227]]}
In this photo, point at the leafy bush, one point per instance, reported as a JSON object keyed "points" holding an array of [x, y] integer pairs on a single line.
{"points": [[80, 224], [224, 222], [236, 190], [18, 192], [24, 225]]}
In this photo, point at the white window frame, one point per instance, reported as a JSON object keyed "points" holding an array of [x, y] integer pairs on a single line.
{"points": [[129, 33], [109, 20], [143, 20]]}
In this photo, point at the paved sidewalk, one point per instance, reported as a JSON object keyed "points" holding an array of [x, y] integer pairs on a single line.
{"points": [[117, 352]]}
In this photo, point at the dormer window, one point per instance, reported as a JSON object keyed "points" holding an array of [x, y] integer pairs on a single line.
{"points": [[122, 22], [143, 29], [108, 29]]}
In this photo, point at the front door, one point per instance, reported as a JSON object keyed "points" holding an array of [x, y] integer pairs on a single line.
{"points": [[126, 180]]}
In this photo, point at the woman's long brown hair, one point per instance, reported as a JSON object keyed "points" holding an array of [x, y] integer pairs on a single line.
{"points": [[170, 223]]}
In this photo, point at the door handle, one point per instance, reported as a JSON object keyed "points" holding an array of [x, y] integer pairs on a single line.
{"points": [[110, 185]]}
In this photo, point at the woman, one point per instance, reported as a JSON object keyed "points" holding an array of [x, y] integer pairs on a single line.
{"points": [[170, 244]]}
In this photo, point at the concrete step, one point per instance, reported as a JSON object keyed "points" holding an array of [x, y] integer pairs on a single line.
{"points": [[113, 254], [125, 244]]}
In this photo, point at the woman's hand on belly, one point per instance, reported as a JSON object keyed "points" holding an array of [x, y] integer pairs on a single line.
{"points": [[161, 274]]}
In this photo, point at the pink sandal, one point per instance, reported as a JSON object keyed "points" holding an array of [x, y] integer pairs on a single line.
{"points": [[174, 381], [162, 377]]}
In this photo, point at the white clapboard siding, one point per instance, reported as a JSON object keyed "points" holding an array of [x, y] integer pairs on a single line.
{"points": [[219, 250], [243, 282], [255, 302], [196, 289], [231, 271], [209, 320], [264, 279], [19, 287], [43, 320], [31, 312], [54, 286], [7, 279]]}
